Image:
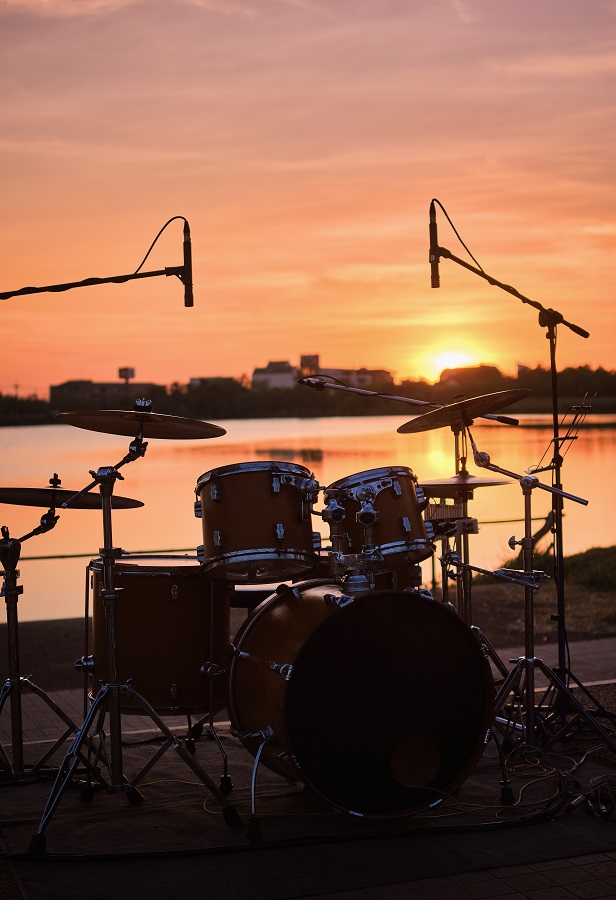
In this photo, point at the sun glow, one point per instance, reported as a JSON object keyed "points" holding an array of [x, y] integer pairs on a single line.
{"points": [[430, 365]]}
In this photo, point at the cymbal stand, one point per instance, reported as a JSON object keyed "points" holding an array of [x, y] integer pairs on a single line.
{"points": [[107, 700], [533, 724], [10, 550]]}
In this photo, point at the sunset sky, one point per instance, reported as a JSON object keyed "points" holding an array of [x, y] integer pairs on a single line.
{"points": [[304, 140]]}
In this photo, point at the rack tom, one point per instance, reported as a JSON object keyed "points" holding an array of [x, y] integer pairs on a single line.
{"points": [[379, 509], [257, 524]]}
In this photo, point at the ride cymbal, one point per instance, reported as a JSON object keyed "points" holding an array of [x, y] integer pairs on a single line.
{"points": [[144, 424], [54, 497], [463, 411]]}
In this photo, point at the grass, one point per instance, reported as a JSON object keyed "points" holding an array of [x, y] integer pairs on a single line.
{"points": [[594, 569], [590, 599]]}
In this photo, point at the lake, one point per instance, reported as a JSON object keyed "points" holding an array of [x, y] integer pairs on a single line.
{"points": [[332, 448]]}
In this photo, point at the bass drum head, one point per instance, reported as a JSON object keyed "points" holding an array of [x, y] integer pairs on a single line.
{"points": [[388, 704]]}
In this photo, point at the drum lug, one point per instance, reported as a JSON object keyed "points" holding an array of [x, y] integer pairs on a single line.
{"points": [[287, 758], [214, 491], [285, 670], [86, 662], [279, 531], [232, 650], [175, 591], [397, 488], [289, 589], [218, 538], [339, 600], [198, 510], [406, 525]]}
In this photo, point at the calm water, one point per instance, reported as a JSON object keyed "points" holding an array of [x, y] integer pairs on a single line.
{"points": [[332, 448]]}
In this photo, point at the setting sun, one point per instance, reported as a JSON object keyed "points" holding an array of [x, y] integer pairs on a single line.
{"points": [[432, 363]]}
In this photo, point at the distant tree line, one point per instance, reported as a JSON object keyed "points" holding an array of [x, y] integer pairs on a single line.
{"points": [[230, 398]]}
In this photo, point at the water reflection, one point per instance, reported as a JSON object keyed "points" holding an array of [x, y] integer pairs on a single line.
{"points": [[332, 448]]}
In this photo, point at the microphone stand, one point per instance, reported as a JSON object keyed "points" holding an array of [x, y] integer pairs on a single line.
{"points": [[549, 319]]}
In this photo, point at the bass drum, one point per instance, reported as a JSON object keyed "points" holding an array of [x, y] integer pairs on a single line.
{"points": [[170, 621], [380, 702]]}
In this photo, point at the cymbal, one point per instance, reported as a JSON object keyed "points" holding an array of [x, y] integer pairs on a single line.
{"points": [[144, 424], [463, 411], [462, 482], [49, 496]]}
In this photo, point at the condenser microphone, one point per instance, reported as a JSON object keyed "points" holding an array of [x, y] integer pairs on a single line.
{"points": [[187, 278], [434, 249]]}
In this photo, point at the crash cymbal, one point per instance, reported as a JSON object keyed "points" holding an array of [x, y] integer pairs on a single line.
{"points": [[49, 497], [144, 424], [463, 411], [457, 484]]}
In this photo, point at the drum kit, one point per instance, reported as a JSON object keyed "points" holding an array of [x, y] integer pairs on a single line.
{"points": [[348, 677]]}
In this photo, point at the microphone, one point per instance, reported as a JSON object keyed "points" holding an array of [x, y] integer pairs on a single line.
{"points": [[434, 250], [187, 279], [317, 383]]}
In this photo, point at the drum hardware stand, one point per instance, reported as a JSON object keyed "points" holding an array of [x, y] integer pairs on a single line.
{"points": [[524, 579], [107, 700], [533, 720], [10, 550]]}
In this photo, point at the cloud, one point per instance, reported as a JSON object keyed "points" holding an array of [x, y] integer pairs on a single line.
{"points": [[80, 8], [577, 64]]}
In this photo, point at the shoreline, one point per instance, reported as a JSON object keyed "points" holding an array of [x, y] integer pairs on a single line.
{"points": [[48, 648]]}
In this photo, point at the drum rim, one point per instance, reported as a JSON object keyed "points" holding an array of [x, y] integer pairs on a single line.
{"points": [[381, 472], [130, 564], [212, 564], [258, 465]]}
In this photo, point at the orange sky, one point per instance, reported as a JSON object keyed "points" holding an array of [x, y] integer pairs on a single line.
{"points": [[303, 140]]}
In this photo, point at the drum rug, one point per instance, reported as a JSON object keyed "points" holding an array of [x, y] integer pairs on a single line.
{"points": [[98, 844]]}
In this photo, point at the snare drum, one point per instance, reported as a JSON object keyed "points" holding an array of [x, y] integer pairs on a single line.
{"points": [[170, 621], [257, 524], [380, 701], [379, 508]]}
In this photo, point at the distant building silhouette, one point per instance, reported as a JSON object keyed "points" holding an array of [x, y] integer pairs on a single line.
{"points": [[103, 395], [284, 375], [276, 375]]}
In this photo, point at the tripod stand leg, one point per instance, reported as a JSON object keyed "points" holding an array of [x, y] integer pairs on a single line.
{"points": [[67, 768], [230, 815], [489, 651], [581, 713]]}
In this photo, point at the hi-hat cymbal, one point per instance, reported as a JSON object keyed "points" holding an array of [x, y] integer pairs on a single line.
{"points": [[463, 482], [144, 424], [55, 497], [463, 411]]}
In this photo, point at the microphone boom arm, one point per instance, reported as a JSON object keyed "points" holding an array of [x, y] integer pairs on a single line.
{"points": [[319, 384], [88, 282], [547, 316]]}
